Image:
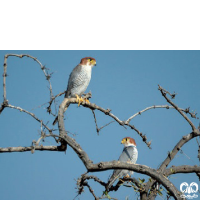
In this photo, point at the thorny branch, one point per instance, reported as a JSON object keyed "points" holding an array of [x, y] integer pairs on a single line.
{"points": [[108, 165], [102, 166], [184, 140], [156, 175], [195, 132], [43, 68], [187, 110], [31, 114], [163, 92], [84, 177], [67, 101]]}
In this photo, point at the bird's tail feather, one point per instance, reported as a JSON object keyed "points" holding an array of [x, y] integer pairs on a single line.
{"points": [[111, 181], [55, 121]]}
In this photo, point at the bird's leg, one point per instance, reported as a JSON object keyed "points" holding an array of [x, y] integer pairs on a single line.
{"points": [[79, 99]]}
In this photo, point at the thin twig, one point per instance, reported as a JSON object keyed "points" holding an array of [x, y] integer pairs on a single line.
{"points": [[95, 120], [193, 115], [88, 177], [31, 114], [51, 101], [105, 125]]}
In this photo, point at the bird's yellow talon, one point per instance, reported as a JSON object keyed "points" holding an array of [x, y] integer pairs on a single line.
{"points": [[87, 101], [79, 99]]}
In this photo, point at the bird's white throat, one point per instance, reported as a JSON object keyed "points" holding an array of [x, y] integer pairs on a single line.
{"points": [[129, 145]]}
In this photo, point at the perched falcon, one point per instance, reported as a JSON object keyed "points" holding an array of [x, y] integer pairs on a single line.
{"points": [[79, 80], [130, 155]]}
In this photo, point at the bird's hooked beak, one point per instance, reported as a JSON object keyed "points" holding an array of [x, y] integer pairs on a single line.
{"points": [[93, 62], [123, 141]]}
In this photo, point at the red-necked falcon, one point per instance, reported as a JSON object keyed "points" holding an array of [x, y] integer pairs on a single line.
{"points": [[79, 80], [130, 155]]}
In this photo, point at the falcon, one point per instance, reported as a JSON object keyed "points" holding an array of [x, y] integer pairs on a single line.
{"points": [[129, 155], [79, 80]]}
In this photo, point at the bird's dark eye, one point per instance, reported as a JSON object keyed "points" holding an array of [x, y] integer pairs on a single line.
{"points": [[126, 139]]}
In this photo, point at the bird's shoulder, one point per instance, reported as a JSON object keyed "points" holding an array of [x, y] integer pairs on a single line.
{"points": [[127, 153], [77, 69]]}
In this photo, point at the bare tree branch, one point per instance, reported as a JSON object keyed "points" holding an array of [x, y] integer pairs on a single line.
{"points": [[182, 169], [29, 113], [125, 179], [67, 101], [157, 176], [51, 101], [90, 189], [120, 165], [95, 120], [24, 149], [193, 115], [88, 177], [43, 68], [178, 146], [163, 92]]}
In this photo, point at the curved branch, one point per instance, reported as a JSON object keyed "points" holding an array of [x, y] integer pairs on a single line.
{"points": [[164, 92], [183, 141], [67, 101], [171, 156], [31, 114], [159, 106], [176, 149], [43, 68], [21, 56], [107, 165], [102, 166]]}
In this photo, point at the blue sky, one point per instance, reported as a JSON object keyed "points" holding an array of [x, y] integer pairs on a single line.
{"points": [[124, 81]]}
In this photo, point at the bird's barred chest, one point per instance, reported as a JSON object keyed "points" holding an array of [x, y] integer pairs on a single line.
{"points": [[81, 82]]}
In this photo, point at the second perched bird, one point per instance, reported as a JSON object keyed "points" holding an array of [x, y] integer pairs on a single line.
{"points": [[79, 80], [129, 155]]}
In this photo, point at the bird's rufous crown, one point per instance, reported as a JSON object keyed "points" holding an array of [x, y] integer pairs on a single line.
{"points": [[128, 140], [84, 61]]}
